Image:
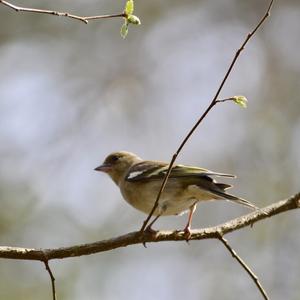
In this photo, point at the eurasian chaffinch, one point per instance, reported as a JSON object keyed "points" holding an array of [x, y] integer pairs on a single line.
{"points": [[140, 180]]}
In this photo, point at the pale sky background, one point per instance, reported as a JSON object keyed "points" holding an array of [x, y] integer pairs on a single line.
{"points": [[72, 93]]}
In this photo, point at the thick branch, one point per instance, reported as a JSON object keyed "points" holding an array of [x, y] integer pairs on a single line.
{"points": [[139, 237]]}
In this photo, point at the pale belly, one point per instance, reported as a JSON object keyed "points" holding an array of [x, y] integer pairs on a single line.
{"points": [[166, 206], [173, 201]]}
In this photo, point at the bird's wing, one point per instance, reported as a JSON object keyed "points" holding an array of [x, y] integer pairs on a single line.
{"points": [[183, 171], [152, 170], [146, 170]]}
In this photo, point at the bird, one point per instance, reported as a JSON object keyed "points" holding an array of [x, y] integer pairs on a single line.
{"points": [[140, 181]]}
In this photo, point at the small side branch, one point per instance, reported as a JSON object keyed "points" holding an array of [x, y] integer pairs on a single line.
{"points": [[244, 266], [60, 14], [52, 279]]}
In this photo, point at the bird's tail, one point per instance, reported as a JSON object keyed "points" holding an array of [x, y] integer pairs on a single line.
{"points": [[235, 199]]}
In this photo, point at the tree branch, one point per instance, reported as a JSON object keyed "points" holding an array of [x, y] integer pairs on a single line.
{"points": [[208, 109], [245, 267], [138, 237], [60, 14], [52, 278]]}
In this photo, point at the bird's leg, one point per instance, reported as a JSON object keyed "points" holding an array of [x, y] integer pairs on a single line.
{"points": [[149, 229], [187, 228], [161, 209]]}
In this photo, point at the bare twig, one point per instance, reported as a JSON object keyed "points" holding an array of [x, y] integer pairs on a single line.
{"points": [[211, 105], [52, 278], [245, 266], [60, 14], [145, 237], [225, 100]]}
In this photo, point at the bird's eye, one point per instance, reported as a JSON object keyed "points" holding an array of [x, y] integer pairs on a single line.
{"points": [[114, 158]]}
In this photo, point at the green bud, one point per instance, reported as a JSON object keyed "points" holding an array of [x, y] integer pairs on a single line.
{"points": [[240, 100], [133, 20], [129, 7], [124, 29]]}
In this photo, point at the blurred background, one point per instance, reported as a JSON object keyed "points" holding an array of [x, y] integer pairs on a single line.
{"points": [[72, 93]]}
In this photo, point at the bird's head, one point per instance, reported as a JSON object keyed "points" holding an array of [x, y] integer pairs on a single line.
{"points": [[117, 164]]}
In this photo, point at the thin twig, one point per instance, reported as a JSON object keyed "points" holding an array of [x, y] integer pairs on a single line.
{"points": [[211, 105], [51, 277], [139, 238], [60, 14], [245, 266], [122, 15], [225, 100]]}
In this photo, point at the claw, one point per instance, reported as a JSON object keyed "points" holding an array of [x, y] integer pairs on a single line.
{"points": [[150, 230], [187, 233]]}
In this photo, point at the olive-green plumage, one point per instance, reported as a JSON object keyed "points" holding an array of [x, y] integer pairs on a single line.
{"points": [[139, 182]]}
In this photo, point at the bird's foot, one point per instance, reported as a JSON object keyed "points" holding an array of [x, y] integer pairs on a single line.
{"points": [[187, 233], [149, 230]]}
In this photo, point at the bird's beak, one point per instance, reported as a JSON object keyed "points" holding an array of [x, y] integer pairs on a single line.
{"points": [[104, 168]]}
